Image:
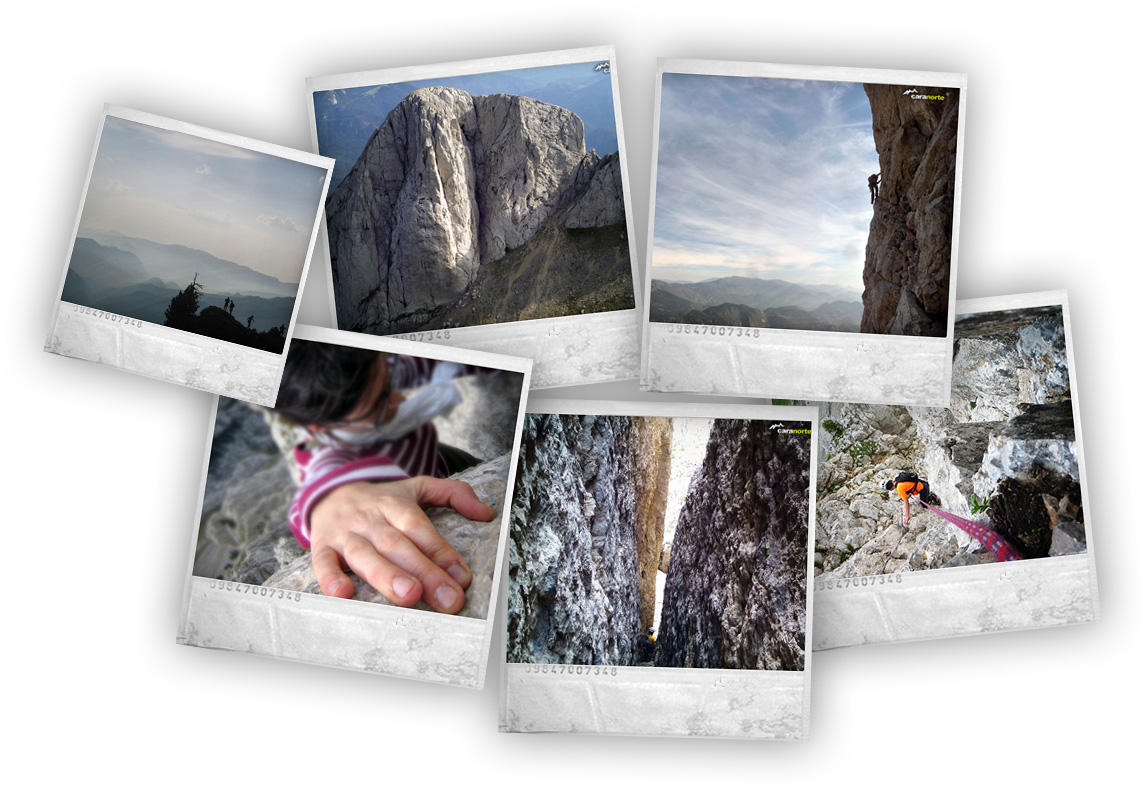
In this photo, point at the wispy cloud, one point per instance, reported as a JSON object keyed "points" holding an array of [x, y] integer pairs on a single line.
{"points": [[202, 169], [763, 175], [284, 223]]}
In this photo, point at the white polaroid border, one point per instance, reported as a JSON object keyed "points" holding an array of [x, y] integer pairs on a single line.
{"points": [[957, 601], [356, 635], [168, 354], [812, 365], [569, 350], [665, 701]]}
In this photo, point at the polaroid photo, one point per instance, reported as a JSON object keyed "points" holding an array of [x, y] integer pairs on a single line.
{"points": [[769, 274], [362, 522], [485, 204], [659, 557], [939, 522], [188, 254]]}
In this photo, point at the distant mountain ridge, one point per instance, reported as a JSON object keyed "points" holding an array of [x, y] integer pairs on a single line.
{"points": [[757, 303], [118, 281], [174, 263]]}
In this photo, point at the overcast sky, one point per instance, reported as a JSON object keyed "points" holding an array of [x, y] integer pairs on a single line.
{"points": [[169, 187], [762, 177]]}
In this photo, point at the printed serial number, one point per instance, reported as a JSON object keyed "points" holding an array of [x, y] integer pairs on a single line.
{"points": [[570, 669], [730, 331], [424, 336], [254, 590], [859, 582]]}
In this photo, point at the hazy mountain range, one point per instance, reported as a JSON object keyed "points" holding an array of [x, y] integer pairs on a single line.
{"points": [[138, 278], [757, 303]]}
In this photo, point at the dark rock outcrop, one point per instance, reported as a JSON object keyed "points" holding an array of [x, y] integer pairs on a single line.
{"points": [[585, 537], [735, 596], [451, 183], [907, 269]]}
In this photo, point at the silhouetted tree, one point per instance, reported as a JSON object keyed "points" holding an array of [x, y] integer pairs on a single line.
{"points": [[184, 306]]}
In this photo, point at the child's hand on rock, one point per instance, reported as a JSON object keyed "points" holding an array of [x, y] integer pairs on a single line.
{"points": [[380, 532]]}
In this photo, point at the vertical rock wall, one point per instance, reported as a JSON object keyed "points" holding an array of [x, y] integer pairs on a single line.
{"points": [[585, 535], [735, 596], [907, 269]]}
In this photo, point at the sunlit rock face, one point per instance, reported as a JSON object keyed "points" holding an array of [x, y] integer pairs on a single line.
{"points": [[450, 183]]}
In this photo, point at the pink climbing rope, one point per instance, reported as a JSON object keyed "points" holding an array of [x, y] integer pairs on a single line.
{"points": [[981, 533]]}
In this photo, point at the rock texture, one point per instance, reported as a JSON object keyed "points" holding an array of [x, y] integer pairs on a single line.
{"points": [[907, 268], [585, 537], [1003, 454], [451, 183], [736, 591]]}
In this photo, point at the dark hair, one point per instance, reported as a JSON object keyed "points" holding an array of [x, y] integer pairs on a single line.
{"points": [[322, 382]]}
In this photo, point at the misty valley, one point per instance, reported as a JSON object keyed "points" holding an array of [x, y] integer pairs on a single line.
{"points": [[145, 280]]}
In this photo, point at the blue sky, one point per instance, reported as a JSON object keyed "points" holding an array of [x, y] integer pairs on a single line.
{"points": [[762, 177], [169, 187]]}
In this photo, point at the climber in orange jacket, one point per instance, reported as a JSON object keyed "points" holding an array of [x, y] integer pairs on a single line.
{"points": [[907, 484]]}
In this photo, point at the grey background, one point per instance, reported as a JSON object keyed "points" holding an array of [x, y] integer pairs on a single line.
{"points": [[104, 467]]}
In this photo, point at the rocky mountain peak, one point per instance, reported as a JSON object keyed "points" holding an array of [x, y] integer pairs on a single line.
{"points": [[449, 183]]}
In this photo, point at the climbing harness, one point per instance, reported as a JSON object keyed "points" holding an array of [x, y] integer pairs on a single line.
{"points": [[981, 533]]}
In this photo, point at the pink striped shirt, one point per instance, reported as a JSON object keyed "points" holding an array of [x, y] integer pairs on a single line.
{"points": [[326, 468]]}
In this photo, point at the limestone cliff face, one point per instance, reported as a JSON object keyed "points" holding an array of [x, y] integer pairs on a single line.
{"points": [[449, 183], [735, 595], [586, 526], [907, 269]]}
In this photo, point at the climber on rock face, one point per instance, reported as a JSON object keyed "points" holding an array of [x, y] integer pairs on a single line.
{"points": [[873, 186], [907, 484]]}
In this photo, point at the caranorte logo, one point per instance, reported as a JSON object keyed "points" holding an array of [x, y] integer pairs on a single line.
{"points": [[781, 429], [916, 95]]}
